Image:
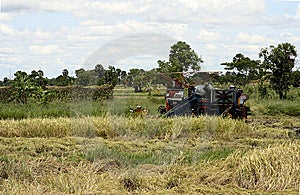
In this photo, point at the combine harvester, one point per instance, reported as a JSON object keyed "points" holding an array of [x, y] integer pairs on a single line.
{"points": [[203, 100]]}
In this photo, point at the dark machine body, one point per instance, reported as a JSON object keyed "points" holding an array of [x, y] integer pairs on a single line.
{"points": [[205, 100]]}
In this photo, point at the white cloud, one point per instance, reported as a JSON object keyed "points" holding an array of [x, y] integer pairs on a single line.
{"points": [[211, 13], [8, 30], [7, 50], [217, 29], [290, 37], [23, 6], [298, 12], [41, 34], [250, 39], [91, 23], [45, 49], [245, 7], [5, 16], [206, 36], [207, 12], [146, 62], [131, 45], [111, 7], [93, 29]]}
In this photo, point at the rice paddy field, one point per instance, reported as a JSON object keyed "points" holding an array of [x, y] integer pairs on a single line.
{"points": [[100, 148]]}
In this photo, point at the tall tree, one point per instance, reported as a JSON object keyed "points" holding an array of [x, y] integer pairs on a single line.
{"points": [[296, 78], [22, 87], [38, 77], [26, 86], [124, 79], [86, 77], [111, 76], [100, 74], [280, 61], [99, 69], [243, 67], [64, 79], [65, 73], [135, 78], [181, 58]]}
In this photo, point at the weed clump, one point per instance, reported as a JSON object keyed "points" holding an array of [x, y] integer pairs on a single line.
{"points": [[131, 182]]}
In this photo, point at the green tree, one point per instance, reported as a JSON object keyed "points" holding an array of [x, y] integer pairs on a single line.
{"points": [[135, 78], [119, 71], [181, 58], [150, 79], [65, 72], [26, 86], [22, 87], [38, 78], [244, 69], [124, 78], [100, 74], [296, 78], [111, 76], [64, 79], [280, 61], [5, 81], [86, 77]]}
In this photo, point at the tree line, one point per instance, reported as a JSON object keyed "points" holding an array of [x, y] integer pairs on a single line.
{"points": [[273, 71]]}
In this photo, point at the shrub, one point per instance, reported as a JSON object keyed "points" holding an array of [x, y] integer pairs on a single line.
{"points": [[66, 93]]}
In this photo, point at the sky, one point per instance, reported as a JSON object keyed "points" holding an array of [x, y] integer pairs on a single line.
{"points": [[73, 34]]}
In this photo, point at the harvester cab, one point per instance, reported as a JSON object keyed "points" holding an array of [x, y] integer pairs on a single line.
{"points": [[204, 100]]}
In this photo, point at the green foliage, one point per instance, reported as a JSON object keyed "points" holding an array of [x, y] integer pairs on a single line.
{"points": [[63, 80], [111, 76], [244, 69], [22, 87], [263, 91], [25, 86], [280, 60], [296, 78], [181, 58], [5, 94], [85, 77], [46, 95], [275, 108], [136, 77], [98, 76], [82, 93]]}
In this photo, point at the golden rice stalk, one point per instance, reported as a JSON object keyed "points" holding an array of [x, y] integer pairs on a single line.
{"points": [[274, 168]]}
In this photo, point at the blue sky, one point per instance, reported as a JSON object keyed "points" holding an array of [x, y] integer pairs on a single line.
{"points": [[58, 34]]}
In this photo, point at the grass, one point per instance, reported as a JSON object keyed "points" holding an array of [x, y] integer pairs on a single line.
{"points": [[93, 149], [124, 99], [119, 106], [274, 107], [145, 156], [118, 126]]}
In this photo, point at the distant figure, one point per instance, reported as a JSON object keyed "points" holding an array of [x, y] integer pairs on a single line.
{"points": [[139, 111]]}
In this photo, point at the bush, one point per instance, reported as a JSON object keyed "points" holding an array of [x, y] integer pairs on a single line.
{"points": [[67, 93]]}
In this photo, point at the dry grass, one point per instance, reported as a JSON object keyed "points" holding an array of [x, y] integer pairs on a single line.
{"points": [[271, 169], [119, 155], [116, 126]]}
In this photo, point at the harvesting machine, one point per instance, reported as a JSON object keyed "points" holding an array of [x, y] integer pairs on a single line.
{"points": [[203, 100]]}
